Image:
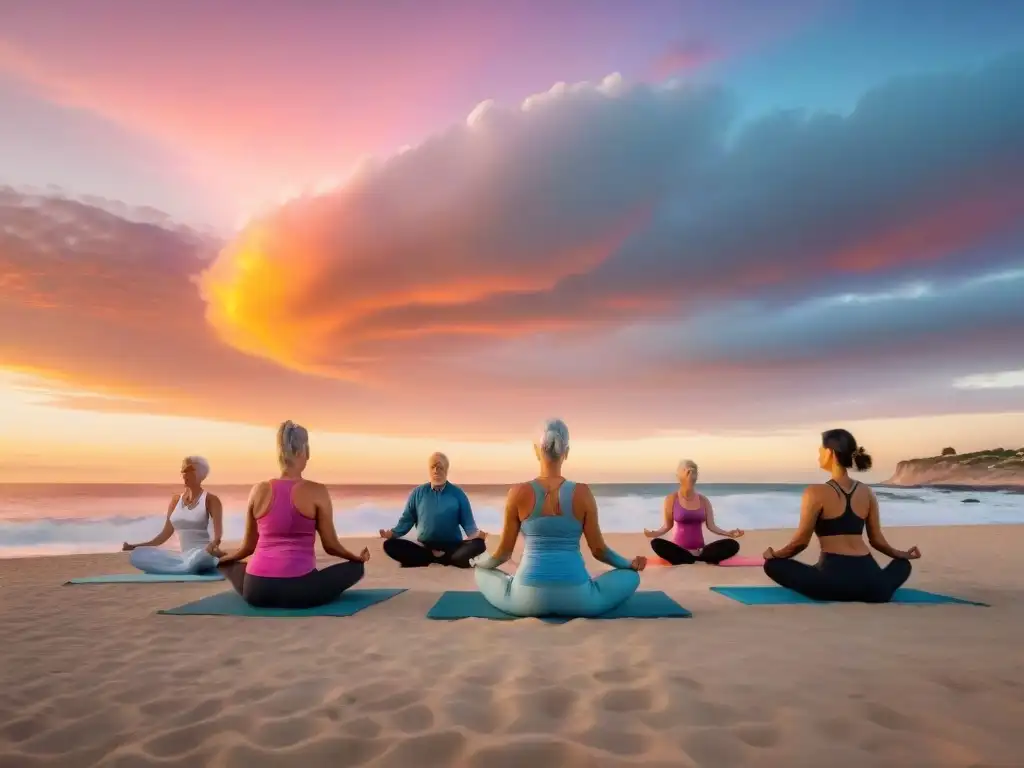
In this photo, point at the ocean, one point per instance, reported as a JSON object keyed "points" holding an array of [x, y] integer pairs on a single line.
{"points": [[64, 519]]}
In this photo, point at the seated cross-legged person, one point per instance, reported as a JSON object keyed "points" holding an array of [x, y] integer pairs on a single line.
{"points": [[189, 515], [282, 521], [689, 513], [553, 513], [837, 512], [438, 509]]}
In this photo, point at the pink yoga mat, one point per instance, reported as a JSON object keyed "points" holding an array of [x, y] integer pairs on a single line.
{"points": [[740, 561], [733, 562]]}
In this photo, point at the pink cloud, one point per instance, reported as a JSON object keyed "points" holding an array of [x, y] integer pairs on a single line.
{"points": [[682, 56]]}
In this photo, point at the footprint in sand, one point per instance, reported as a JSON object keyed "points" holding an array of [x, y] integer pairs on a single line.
{"points": [[616, 742], [542, 711], [531, 753], [618, 675], [627, 700], [758, 734], [888, 718], [687, 683], [360, 726], [417, 717], [431, 750], [469, 714], [23, 729], [957, 686], [714, 746], [835, 728]]}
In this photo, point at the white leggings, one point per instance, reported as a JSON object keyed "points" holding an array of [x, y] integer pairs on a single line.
{"points": [[591, 598], [157, 560]]}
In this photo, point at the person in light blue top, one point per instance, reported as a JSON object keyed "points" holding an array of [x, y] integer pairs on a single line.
{"points": [[553, 513], [438, 509]]}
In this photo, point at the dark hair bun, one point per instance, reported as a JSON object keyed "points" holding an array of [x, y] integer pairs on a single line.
{"points": [[861, 459]]}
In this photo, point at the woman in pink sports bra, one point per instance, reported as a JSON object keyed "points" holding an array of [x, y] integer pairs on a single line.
{"points": [[688, 512], [283, 519]]}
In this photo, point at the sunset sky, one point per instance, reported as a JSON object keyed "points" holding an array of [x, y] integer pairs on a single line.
{"points": [[690, 229]]}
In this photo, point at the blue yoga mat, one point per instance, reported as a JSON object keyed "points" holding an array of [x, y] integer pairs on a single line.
{"points": [[473, 605], [232, 604], [146, 578], [783, 596]]}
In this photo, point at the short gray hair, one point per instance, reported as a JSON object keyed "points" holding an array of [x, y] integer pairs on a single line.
{"points": [[440, 456], [687, 464], [554, 439], [201, 465], [292, 442]]}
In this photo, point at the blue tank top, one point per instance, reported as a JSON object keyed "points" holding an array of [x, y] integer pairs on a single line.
{"points": [[551, 554]]}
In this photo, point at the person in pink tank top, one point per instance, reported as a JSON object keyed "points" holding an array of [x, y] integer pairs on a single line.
{"points": [[282, 521], [687, 513]]}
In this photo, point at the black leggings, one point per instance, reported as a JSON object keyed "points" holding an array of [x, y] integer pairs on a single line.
{"points": [[713, 553], [845, 578], [318, 587], [419, 555]]}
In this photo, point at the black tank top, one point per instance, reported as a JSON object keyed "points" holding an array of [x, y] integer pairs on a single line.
{"points": [[847, 524]]}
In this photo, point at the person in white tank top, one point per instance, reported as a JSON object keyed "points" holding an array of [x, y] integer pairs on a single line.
{"points": [[189, 515]]}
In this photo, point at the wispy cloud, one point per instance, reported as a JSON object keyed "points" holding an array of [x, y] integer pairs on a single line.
{"points": [[1000, 380]]}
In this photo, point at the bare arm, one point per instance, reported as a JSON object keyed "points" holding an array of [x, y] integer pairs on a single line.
{"points": [[325, 527], [165, 533], [509, 531], [875, 536], [667, 521], [809, 508], [584, 498], [252, 534], [216, 510]]}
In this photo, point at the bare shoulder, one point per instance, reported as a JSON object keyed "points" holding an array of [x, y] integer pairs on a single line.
{"points": [[212, 498], [263, 486], [312, 489], [704, 499], [582, 493], [173, 503], [519, 491], [814, 491]]}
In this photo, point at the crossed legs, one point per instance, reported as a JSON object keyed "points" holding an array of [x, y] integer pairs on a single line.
{"points": [[318, 587], [411, 554], [840, 578], [712, 553], [592, 598]]}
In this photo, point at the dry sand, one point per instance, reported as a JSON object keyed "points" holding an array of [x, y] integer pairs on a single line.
{"points": [[91, 675]]}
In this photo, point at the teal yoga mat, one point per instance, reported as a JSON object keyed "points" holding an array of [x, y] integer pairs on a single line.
{"points": [[146, 578], [783, 596], [231, 604], [472, 605]]}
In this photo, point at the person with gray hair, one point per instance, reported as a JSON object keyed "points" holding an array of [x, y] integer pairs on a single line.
{"points": [[688, 512], [438, 509], [553, 514], [282, 520], [189, 515]]}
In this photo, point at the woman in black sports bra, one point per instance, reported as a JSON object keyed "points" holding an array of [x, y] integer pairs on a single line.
{"points": [[837, 513]]}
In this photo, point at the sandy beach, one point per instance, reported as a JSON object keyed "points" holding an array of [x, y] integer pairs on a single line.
{"points": [[92, 676]]}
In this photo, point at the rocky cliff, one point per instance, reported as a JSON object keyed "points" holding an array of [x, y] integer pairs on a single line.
{"points": [[997, 467]]}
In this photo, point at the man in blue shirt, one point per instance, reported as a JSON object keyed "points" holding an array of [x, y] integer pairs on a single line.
{"points": [[439, 510]]}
